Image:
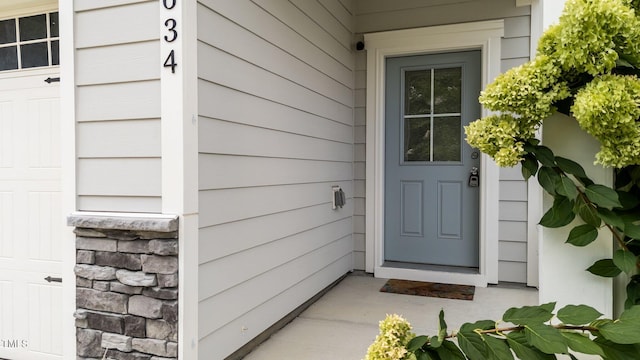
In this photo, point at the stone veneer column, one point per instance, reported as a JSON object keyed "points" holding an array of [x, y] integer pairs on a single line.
{"points": [[126, 287]]}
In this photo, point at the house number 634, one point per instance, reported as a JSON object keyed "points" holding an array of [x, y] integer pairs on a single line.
{"points": [[172, 35]]}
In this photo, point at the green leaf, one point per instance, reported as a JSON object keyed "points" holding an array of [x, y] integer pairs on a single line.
{"points": [[544, 155], [529, 166], [625, 261], [527, 315], [450, 351], [546, 338], [435, 342], [614, 351], [547, 178], [497, 349], [582, 235], [623, 331], [587, 212], [518, 344], [633, 292], [417, 342], [622, 62], [581, 343], [424, 355], [442, 328], [566, 187], [603, 196], [548, 306], [631, 226], [604, 268], [560, 214], [570, 167], [471, 343], [611, 218], [600, 322], [628, 200], [578, 314]]}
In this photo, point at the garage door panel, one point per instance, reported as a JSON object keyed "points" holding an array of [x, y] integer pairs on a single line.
{"points": [[31, 219], [6, 134], [7, 212], [44, 317], [44, 222], [6, 308], [43, 125]]}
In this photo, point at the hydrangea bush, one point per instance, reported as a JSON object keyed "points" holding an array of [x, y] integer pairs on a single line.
{"points": [[391, 343], [588, 67], [581, 61]]}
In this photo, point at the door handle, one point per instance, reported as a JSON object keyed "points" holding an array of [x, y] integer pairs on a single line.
{"points": [[53, 279], [474, 178]]}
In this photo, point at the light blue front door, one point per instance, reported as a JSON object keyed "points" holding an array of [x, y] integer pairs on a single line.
{"points": [[431, 207]]}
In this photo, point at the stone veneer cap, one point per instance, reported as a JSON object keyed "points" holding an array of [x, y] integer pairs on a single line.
{"points": [[115, 221]]}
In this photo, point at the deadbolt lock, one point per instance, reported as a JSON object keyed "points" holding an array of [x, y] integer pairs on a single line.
{"points": [[474, 178]]}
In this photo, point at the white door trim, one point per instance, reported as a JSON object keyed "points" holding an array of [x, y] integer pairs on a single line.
{"points": [[486, 36]]}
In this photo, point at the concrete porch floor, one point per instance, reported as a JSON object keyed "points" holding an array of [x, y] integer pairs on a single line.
{"points": [[344, 322]]}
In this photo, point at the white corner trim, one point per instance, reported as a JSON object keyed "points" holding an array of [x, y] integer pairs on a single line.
{"points": [[486, 36], [68, 167], [179, 139]]}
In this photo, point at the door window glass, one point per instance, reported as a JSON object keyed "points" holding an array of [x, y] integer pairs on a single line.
{"points": [[446, 138], [417, 139], [29, 41], [432, 115]]}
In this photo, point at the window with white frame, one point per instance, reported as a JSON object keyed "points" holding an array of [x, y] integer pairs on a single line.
{"points": [[29, 42]]}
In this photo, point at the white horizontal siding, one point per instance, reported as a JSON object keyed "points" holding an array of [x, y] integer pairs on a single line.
{"points": [[513, 188], [512, 271], [117, 67], [252, 48], [141, 204], [222, 206], [224, 273], [278, 33], [220, 240], [328, 22], [126, 176], [118, 63], [275, 134], [81, 5], [309, 26], [513, 211], [246, 171], [267, 85], [256, 111], [118, 25], [239, 139], [250, 324], [359, 157], [128, 100], [118, 139], [512, 231], [341, 12]]}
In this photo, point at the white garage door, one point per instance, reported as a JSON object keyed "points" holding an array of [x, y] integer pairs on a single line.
{"points": [[31, 222]]}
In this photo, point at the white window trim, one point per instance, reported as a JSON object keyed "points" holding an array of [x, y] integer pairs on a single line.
{"points": [[486, 36]]}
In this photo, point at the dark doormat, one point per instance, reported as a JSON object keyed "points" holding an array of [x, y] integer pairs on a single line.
{"points": [[447, 291]]}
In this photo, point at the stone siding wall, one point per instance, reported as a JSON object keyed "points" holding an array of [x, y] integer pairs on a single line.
{"points": [[126, 288]]}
